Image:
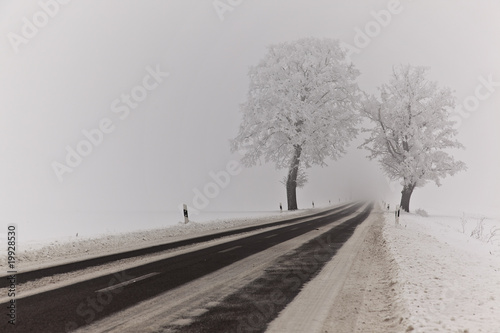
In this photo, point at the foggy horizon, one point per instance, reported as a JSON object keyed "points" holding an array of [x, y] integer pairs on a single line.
{"points": [[73, 73]]}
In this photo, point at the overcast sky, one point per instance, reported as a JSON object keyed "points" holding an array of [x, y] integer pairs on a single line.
{"points": [[65, 76]]}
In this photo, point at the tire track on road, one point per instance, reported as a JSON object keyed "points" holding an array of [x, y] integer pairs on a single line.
{"points": [[257, 304]]}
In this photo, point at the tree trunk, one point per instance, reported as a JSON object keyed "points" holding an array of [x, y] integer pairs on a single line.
{"points": [[405, 197], [291, 182]]}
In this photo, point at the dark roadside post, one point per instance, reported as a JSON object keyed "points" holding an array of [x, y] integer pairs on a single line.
{"points": [[186, 217]]}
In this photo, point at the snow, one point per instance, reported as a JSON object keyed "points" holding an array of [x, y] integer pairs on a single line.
{"points": [[33, 231], [445, 280], [38, 247], [413, 133], [301, 107], [450, 280], [354, 292]]}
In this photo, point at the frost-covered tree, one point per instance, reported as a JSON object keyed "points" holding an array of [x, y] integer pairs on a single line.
{"points": [[300, 108], [412, 131]]}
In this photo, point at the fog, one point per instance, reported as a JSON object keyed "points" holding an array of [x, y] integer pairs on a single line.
{"points": [[69, 76]]}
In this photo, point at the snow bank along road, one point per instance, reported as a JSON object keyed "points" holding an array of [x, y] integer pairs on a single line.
{"points": [[216, 288], [39, 273]]}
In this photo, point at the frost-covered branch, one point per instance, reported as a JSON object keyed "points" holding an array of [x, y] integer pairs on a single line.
{"points": [[303, 95], [412, 129]]}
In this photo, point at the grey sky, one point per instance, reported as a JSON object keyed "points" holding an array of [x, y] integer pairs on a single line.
{"points": [[64, 79]]}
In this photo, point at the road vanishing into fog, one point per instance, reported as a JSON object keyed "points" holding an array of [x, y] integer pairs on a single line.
{"points": [[77, 305]]}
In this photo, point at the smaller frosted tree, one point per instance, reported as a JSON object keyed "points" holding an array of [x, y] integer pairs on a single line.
{"points": [[412, 131], [301, 108]]}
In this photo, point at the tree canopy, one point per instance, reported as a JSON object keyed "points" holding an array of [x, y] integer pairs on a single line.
{"points": [[413, 131], [300, 109]]}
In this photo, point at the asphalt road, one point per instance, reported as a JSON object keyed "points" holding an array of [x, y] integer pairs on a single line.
{"points": [[77, 305], [23, 277], [250, 309]]}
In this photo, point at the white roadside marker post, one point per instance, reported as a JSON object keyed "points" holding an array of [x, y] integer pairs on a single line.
{"points": [[186, 217]]}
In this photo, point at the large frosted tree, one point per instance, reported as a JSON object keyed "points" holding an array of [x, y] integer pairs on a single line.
{"points": [[300, 109], [413, 132]]}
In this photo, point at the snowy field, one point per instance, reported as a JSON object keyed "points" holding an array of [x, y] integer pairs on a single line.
{"points": [[100, 234], [34, 232], [449, 271]]}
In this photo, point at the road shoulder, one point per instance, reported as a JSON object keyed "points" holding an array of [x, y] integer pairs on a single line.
{"points": [[355, 292]]}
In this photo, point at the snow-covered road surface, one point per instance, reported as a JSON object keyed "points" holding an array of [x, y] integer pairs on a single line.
{"points": [[181, 306], [355, 291]]}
